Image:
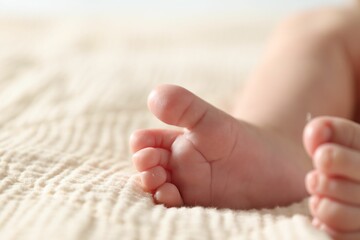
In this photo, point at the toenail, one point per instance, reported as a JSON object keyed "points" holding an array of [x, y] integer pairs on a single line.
{"points": [[322, 158], [318, 155], [326, 133], [314, 202], [156, 197], [312, 179], [323, 184]]}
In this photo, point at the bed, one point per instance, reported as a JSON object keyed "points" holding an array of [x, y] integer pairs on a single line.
{"points": [[71, 92]]}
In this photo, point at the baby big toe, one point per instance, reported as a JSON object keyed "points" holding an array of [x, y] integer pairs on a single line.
{"points": [[331, 129], [338, 216], [153, 178]]}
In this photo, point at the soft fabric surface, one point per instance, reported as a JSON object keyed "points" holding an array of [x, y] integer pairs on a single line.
{"points": [[71, 93]]}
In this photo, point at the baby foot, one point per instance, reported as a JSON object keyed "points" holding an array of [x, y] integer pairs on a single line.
{"points": [[217, 160], [334, 185]]}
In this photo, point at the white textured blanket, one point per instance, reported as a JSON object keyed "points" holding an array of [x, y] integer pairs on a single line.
{"points": [[71, 93]]}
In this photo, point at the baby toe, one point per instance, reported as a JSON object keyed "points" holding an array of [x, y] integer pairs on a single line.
{"points": [[336, 160], [150, 157], [156, 138], [169, 195], [153, 178], [335, 188], [338, 216], [139, 139]]}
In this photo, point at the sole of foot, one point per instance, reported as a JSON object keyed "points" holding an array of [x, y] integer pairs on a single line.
{"points": [[214, 160]]}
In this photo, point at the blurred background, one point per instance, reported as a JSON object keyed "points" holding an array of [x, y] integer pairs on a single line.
{"points": [[137, 42], [153, 41], [158, 7]]}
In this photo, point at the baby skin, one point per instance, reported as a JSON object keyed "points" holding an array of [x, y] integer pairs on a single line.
{"points": [[260, 155], [334, 184], [213, 161]]}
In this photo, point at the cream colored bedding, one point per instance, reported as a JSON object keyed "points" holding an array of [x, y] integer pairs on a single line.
{"points": [[71, 93]]}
